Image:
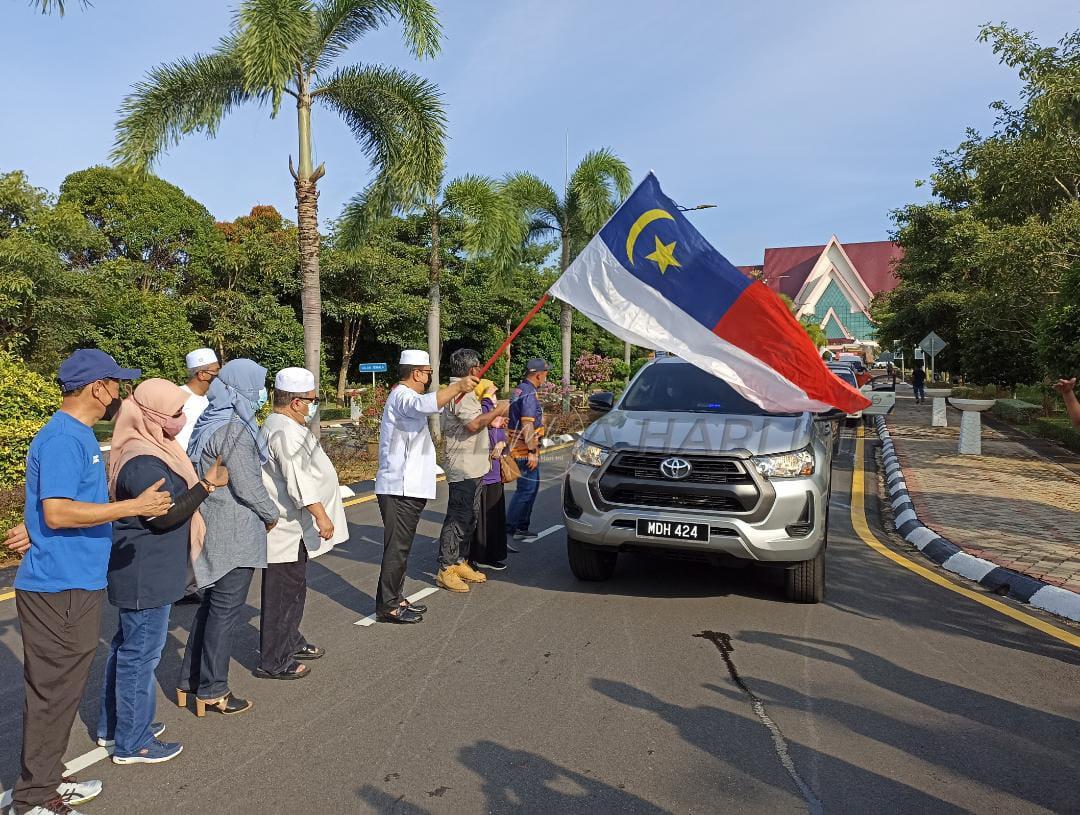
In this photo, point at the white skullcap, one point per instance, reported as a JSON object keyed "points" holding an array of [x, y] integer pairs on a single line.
{"points": [[294, 380], [200, 357], [414, 358]]}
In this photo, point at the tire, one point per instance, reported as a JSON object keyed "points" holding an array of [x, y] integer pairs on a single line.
{"points": [[805, 582], [592, 565]]}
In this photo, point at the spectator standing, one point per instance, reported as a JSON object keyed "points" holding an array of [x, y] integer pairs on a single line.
{"points": [[526, 431], [237, 520], [62, 577], [488, 549], [468, 461], [405, 480], [203, 368], [149, 565], [303, 483], [918, 384]]}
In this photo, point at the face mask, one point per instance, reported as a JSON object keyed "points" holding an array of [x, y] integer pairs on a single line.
{"points": [[312, 409], [112, 408], [427, 382], [261, 400], [173, 425]]}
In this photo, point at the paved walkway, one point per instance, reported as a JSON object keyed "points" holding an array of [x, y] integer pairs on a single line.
{"points": [[1010, 505]]}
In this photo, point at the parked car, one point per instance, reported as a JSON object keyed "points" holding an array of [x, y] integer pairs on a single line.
{"points": [[847, 373], [683, 464]]}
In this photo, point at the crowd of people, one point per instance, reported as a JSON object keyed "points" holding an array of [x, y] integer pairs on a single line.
{"points": [[196, 497]]}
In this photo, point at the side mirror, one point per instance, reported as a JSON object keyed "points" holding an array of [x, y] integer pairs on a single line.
{"points": [[829, 415], [602, 402]]}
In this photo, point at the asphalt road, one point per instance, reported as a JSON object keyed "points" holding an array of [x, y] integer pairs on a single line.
{"points": [[675, 687]]}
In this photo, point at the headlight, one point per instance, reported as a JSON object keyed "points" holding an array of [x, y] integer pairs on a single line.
{"points": [[786, 465], [589, 454]]}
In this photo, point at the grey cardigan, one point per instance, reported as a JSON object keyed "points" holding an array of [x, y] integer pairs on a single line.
{"points": [[236, 515]]}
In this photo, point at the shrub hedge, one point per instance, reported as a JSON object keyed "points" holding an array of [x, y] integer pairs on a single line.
{"points": [[1059, 430], [27, 400], [1016, 411]]}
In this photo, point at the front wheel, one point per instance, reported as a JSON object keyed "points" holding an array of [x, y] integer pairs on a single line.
{"points": [[805, 582], [588, 563]]}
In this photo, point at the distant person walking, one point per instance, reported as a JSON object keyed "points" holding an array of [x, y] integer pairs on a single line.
{"points": [[237, 520], [149, 565], [405, 480], [62, 577], [526, 432], [1067, 389], [918, 384], [203, 368], [304, 485], [468, 461]]}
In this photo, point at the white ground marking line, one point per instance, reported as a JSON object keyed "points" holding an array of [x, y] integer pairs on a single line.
{"points": [[414, 598], [549, 531], [76, 765]]}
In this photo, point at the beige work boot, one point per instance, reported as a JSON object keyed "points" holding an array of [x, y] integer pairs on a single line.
{"points": [[449, 579], [469, 574]]}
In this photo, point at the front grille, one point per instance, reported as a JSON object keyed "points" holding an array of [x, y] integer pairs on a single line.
{"points": [[705, 469], [638, 496]]}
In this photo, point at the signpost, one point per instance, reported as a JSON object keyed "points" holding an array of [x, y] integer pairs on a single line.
{"points": [[932, 344], [373, 368]]}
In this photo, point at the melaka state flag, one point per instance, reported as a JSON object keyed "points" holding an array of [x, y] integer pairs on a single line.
{"points": [[652, 280]]}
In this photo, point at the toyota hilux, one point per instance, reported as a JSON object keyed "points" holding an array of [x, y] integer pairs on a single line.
{"points": [[682, 463]]}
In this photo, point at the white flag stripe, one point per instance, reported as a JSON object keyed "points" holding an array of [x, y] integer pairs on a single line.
{"points": [[598, 286]]}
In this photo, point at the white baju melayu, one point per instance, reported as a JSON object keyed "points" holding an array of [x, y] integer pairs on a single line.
{"points": [[406, 452], [193, 409], [298, 473]]}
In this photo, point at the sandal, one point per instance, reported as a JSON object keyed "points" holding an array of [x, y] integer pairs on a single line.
{"points": [[310, 651], [294, 671]]}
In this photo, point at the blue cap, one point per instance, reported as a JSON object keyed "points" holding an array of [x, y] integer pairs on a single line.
{"points": [[536, 365], [89, 365]]}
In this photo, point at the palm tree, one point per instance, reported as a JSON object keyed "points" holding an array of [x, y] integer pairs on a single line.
{"points": [[288, 47], [593, 191], [490, 228], [49, 6]]}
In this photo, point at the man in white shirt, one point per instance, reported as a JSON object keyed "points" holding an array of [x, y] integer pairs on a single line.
{"points": [[203, 368], [303, 483], [405, 481]]}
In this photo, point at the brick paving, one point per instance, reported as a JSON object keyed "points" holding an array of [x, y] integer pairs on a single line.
{"points": [[1010, 505]]}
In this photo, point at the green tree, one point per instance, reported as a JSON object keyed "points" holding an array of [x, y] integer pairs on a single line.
{"points": [[593, 191], [283, 48]]}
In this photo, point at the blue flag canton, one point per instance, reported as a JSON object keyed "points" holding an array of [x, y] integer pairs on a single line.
{"points": [[655, 242]]}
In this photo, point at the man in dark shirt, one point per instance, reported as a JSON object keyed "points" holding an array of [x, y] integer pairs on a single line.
{"points": [[918, 384], [526, 432]]}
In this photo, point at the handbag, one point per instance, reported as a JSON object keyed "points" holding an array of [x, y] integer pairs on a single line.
{"points": [[509, 469]]}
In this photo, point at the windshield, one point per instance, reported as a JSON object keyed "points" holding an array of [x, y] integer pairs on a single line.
{"points": [[679, 387], [846, 375]]}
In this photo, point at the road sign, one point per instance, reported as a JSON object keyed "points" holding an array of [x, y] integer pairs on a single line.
{"points": [[932, 344], [372, 367], [886, 357]]}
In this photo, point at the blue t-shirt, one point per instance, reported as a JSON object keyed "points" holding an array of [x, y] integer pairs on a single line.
{"points": [[525, 404], [65, 461]]}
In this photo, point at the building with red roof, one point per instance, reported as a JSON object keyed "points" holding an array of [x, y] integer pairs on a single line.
{"points": [[833, 284]]}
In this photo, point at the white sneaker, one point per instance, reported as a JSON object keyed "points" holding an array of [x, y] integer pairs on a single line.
{"points": [[75, 792], [54, 807]]}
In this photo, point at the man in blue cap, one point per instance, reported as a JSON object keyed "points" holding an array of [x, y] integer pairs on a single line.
{"points": [[526, 431], [62, 577]]}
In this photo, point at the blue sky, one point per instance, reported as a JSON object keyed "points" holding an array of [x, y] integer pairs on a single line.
{"points": [[799, 120]]}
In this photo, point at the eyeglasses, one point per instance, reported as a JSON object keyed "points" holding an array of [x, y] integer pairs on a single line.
{"points": [[313, 399]]}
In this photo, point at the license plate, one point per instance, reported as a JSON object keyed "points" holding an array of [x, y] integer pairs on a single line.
{"points": [[672, 530]]}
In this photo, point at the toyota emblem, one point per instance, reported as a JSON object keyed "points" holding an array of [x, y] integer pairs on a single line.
{"points": [[675, 468]]}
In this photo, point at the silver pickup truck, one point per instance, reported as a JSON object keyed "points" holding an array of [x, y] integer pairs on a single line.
{"points": [[684, 464]]}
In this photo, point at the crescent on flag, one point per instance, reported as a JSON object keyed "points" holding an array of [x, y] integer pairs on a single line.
{"points": [[643, 221]]}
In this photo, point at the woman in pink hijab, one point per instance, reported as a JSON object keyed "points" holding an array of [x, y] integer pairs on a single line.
{"points": [[150, 564]]}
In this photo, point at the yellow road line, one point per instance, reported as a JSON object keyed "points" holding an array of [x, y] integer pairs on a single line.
{"points": [[862, 529], [7, 595], [363, 499]]}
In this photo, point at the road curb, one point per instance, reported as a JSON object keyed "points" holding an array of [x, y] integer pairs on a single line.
{"points": [[953, 558]]}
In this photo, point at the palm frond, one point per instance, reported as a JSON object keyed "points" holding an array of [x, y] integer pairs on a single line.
{"points": [[493, 226], [176, 99], [271, 41], [598, 184], [399, 121], [340, 23], [365, 209], [534, 197], [48, 6]]}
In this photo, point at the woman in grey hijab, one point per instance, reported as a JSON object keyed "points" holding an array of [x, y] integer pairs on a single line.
{"points": [[237, 519]]}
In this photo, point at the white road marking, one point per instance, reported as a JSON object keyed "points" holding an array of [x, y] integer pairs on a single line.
{"points": [[76, 765], [549, 531], [415, 598]]}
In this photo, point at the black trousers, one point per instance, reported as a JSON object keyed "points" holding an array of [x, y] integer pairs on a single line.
{"points": [[400, 516], [489, 540], [284, 591], [462, 510], [205, 669], [60, 637]]}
